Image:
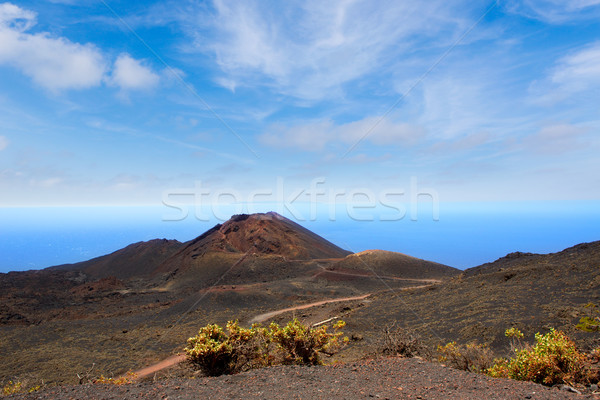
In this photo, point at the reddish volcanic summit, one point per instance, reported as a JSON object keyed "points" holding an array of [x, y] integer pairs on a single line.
{"points": [[259, 238], [265, 234]]}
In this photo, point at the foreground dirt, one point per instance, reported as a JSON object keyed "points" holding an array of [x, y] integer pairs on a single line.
{"points": [[391, 378]]}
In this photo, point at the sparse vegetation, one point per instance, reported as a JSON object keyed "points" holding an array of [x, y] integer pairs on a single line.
{"points": [[401, 342], [553, 359], [18, 387], [217, 351], [590, 322], [473, 357], [122, 380], [303, 345]]}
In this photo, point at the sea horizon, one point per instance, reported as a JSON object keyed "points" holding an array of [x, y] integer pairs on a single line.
{"points": [[461, 235]]}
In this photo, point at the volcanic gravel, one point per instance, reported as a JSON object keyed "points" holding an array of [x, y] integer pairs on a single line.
{"points": [[389, 378]]}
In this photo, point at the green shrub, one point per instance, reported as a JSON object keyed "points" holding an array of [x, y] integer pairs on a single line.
{"points": [[591, 322], [553, 359], [216, 351]]}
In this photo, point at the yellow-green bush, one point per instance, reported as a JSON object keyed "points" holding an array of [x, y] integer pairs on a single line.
{"points": [[590, 322], [17, 387], [128, 378], [217, 351], [302, 344], [553, 359]]}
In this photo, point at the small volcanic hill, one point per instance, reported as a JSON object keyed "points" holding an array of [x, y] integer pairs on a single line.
{"points": [[135, 260], [389, 263], [532, 292], [574, 261]]}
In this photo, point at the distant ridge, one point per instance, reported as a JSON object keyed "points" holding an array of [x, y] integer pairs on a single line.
{"points": [[579, 256], [137, 259]]}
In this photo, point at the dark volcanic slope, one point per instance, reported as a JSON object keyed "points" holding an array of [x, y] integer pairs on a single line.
{"points": [[531, 292], [389, 263], [572, 259], [138, 259], [268, 233]]}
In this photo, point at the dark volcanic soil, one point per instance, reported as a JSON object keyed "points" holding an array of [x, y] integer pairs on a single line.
{"points": [[392, 378]]}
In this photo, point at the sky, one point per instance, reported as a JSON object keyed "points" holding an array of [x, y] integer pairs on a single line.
{"points": [[130, 103]]}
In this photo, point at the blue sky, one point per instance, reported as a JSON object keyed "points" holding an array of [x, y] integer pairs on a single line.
{"points": [[117, 103]]}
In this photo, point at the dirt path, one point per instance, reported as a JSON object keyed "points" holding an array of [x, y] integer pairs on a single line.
{"points": [[166, 363], [271, 314], [325, 270], [176, 359]]}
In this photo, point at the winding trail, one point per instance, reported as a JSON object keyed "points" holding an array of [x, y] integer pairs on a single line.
{"points": [[178, 358], [166, 363], [373, 276], [271, 314]]}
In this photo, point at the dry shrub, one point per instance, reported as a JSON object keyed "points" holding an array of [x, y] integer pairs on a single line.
{"points": [[593, 362], [128, 378], [473, 357], [397, 341]]}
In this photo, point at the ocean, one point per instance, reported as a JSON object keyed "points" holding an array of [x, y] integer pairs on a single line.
{"points": [[461, 235]]}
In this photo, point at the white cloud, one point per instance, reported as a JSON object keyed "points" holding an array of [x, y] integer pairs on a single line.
{"points": [[310, 49], [457, 106], [54, 63], [556, 11], [556, 139], [132, 74], [316, 135], [571, 77], [312, 136], [3, 143], [578, 71], [380, 131]]}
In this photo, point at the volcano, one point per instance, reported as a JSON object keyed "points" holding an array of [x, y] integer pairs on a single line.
{"points": [[256, 235], [268, 233]]}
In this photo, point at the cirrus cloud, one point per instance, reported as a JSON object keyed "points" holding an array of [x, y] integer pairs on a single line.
{"points": [[309, 50], [317, 135], [556, 11], [3, 143], [580, 70]]}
